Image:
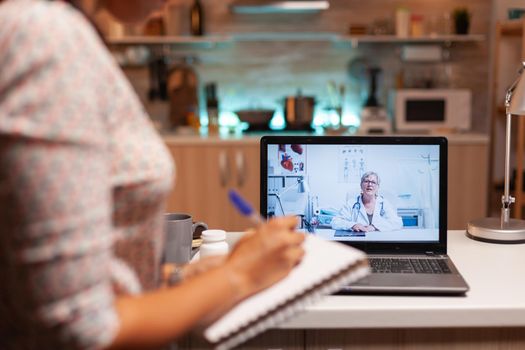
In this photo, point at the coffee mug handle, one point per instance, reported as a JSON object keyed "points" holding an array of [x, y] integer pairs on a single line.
{"points": [[197, 224]]}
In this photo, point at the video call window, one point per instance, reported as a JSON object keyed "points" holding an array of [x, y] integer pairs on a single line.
{"points": [[357, 192]]}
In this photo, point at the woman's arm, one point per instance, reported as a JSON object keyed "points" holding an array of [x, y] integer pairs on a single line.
{"points": [[257, 261], [155, 318]]}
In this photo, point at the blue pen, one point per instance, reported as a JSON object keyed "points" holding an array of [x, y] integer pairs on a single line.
{"points": [[245, 208]]}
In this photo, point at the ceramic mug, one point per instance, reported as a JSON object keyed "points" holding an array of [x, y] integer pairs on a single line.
{"points": [[179, 229]]}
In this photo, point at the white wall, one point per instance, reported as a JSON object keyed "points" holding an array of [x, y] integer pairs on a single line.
{"points": [[501, 6]]}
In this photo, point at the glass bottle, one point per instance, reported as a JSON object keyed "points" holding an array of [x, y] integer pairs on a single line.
{"points": [[212, 107], [196, 18]]}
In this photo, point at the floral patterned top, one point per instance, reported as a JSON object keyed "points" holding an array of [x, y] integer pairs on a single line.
{"points": [[83, 182]]}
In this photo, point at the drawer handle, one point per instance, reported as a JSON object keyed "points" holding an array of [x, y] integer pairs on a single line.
{"points": [[224, 173], [240, 163]]}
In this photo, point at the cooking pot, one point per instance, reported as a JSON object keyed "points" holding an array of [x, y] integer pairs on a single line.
{"points": [[299, 112]]}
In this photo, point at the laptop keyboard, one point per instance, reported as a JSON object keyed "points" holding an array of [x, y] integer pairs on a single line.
{"points": [[409, 265]]}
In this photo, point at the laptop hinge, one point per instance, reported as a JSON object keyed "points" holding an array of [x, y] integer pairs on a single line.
{"points": [[431, 254]]}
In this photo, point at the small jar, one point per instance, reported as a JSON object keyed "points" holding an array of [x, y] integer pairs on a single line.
{"points": [[416, 26], [213, 243]]}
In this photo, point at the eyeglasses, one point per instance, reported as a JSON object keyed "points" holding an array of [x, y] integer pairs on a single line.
{"points": [[370, 182]]}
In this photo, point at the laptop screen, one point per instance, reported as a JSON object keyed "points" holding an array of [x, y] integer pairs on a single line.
{"points": [[356, 189]]}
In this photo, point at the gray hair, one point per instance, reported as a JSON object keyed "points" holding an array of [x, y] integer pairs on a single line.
{"points": [[370, 173]]}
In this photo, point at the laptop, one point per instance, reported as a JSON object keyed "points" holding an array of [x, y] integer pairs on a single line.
{"points": [[384, 195]]}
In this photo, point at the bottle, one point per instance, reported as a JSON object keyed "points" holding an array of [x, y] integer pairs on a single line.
{"points": [[213, 243], [416, 26], [196, 19], [402, 22], [192, 119], [212, 106]]}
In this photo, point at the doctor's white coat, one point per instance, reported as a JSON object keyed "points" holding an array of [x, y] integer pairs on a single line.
{"points": [[353, 212]]}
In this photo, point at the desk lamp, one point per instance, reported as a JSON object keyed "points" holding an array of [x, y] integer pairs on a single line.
{"points": [[302, 187], [504, 229]]}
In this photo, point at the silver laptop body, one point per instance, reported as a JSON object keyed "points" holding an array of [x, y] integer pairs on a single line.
{"points": [[327, 181]]}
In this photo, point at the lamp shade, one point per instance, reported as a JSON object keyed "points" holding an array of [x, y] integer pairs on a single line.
{"points": [[517, 104]]}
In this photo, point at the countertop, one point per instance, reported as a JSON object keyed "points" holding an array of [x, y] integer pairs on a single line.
{"points": [[253, 138], [496, 298]]}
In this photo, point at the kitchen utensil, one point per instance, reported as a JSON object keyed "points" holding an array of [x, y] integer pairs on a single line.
{"points": [[158, 85], [183, 84], [258, 119], [374, 118], [299, 111], [372, 101], [212, 106]]}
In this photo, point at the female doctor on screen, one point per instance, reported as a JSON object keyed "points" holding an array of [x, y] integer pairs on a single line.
{"points": [[368, 211]]}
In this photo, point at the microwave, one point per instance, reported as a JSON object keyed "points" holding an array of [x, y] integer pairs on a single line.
{"points": [[432, 109]]}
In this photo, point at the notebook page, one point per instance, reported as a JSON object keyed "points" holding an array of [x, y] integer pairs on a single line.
{"points": [[322, 260], [282, 314]]}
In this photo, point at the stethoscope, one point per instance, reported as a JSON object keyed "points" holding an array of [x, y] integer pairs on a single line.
{"points": [[356, 208]]}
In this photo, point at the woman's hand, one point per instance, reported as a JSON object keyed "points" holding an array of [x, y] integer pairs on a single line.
{"points": [[172, 274], [264, 257]]}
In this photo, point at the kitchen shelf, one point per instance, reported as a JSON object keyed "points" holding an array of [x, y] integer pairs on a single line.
{"points": [[353, 41], [184, 41], [291, 36]]}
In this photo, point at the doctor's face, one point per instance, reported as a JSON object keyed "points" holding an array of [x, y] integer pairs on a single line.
{"points": [[370, 185]]}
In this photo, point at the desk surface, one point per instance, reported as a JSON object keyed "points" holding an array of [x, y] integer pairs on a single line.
{"points": [[395, 235], [494, 272]]}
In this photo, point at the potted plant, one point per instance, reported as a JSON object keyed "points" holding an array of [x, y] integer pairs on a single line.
{"points": [[461, 16]]}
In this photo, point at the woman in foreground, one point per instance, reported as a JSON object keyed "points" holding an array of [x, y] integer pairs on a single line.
{"points": [[83, 183]]}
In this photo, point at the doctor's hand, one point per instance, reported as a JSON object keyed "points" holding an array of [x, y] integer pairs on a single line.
{"points": [[363, 228], [360, 228]]}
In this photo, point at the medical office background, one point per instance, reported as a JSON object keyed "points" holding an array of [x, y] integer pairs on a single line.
{"points": [[409, 179]]}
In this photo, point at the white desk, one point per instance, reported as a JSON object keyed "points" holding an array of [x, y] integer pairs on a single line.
{"points": [[494, 272], [490, 316]]}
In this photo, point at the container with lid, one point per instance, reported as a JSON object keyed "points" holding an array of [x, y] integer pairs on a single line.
{"points": [[213, 243], [402, 22]]}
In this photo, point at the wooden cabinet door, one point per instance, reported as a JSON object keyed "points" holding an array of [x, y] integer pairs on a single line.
{"points": [[467, 184], [246, 175], [205, 173], [201, 181]]}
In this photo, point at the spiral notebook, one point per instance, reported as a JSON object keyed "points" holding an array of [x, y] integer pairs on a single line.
{"points": [[325, 268]]}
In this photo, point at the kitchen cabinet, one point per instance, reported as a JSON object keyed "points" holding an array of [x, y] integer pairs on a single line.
{"points": [[507, 33], [467, 182], [205, 171], [206, 168]]}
